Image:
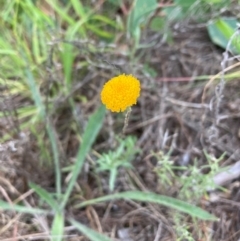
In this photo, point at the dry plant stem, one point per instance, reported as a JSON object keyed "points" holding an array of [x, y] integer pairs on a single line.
{"points": [[219, 89], [126, 120], [207, 86], [159, 231], [94, 218], [214, 78], [215, 102], [10, 223], [161, 111], [6, 196]]}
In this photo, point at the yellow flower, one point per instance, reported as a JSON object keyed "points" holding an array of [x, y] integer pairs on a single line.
{"points": [[120, 92]]}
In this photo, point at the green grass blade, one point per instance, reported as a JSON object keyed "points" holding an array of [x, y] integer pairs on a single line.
{"points": [[67, 57], [89, 233], [92, 129], [58, 227], [21, 209], [53, 142], [45, 196], [78, 7], [155, 198], [99, 31], [35, 93], [83, 18], [61, 11], [105, 20], [41, 109]]}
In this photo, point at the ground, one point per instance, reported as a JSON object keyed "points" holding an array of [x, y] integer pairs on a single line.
{"points": [[179, 115]]}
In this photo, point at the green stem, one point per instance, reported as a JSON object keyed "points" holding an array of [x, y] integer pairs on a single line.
{"points": [[112, 178], [55, 157]]}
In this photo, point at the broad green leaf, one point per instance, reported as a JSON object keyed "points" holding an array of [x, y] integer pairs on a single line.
{"points": [[154, 198], [116, 2], [216, 1], [21, 209], [179, 10], [140, 10], [45, 196], [185, 3], [89, 233], [158, 24], [57, 227], [221, 31], [90, 134]]}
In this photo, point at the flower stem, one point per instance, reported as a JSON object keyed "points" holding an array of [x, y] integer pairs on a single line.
{"points": [[126, 120]]}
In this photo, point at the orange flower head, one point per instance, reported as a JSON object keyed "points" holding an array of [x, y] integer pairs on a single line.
{"points": [[120, 92]]}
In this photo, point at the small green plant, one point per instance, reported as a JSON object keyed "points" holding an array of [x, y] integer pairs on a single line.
{"points": [[166, 168], [191, 184], [189, 179], [121, 157], [193, 179], [182, 229]]}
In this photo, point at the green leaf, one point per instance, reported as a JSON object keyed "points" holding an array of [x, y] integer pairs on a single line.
{"points": [[21, 209], [79, 8], [99, 31], [104, 20], [67, 57], [158, 24], [34, 88], [57, 227], [185, 3], [179, 10], [45, 196], [154, 198], [220, 32], [62, 12], [89, 233], [214, 1], [90, 134], [141, 9], [115, 2], [53, 141]]}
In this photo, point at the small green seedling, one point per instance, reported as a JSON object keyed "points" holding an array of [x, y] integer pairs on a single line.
{"points": [[121, 157]]}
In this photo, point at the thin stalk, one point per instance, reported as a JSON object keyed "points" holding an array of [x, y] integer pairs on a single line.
{"points": [[55, 157]]}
